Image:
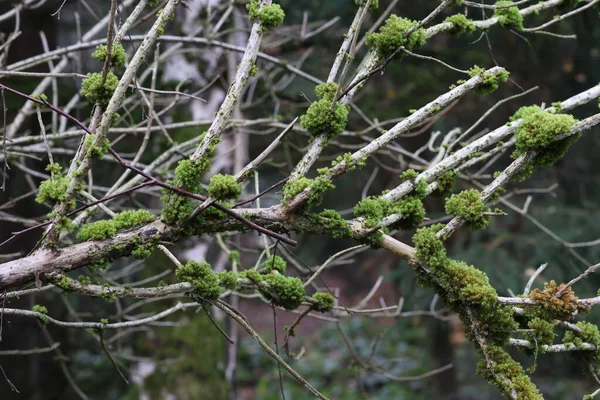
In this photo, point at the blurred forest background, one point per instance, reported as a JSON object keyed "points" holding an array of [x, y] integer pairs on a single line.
{"points": [[188, 360]]}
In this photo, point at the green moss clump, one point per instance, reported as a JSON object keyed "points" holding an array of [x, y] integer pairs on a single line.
{"points": [[293, 188], [333, 223], [538, 132], [325, 116], [408, 175], [252, 275], [319, 185], [445, 184], [99, 230], [96, 151], [94, 92], [54, 189], [551, 307], [543, 331], [284, 291], [228, 279], [324, 302], [234, 256], [118, 56], [153, 3], [268, 17], [41, 310], [540, 128], [490, 82], [41, 96], [412, 211], [253, 70], [204, 281], [132, 218], [463, 286], [509, 17], [188, 173], [391, 36], [105, 229], [589, 334], [468, 204], [143, 251], [372, 7], [516, 379], [461, 23], [274, 263], [224, 187], [372, 209]]}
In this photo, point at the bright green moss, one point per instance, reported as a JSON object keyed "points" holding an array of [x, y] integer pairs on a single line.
{"points": [[204, 281], [293, 188], [94, 92], [461, 23], [252, 274], [224, 187], [445, 184], [188, 173], [543, 331], [538, 132], [509, 17], [501, 364], [408, 175], [268, 17], [319, 185], [372, 7], [118, 57], [41, 310], [412, 211], [132, 218], [467, 291], [468, 204], [228, 279], [105, 229], [539, 129], [274, 263], [372, 209], [334, 224], [324, 302], [96, 151], [253, 70], [40, 96], [53, 190], [284, 291], [589, 334], [99, 230], [234, 256], [490, 82], [153, 3], [325, 116], [391, 36]]}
